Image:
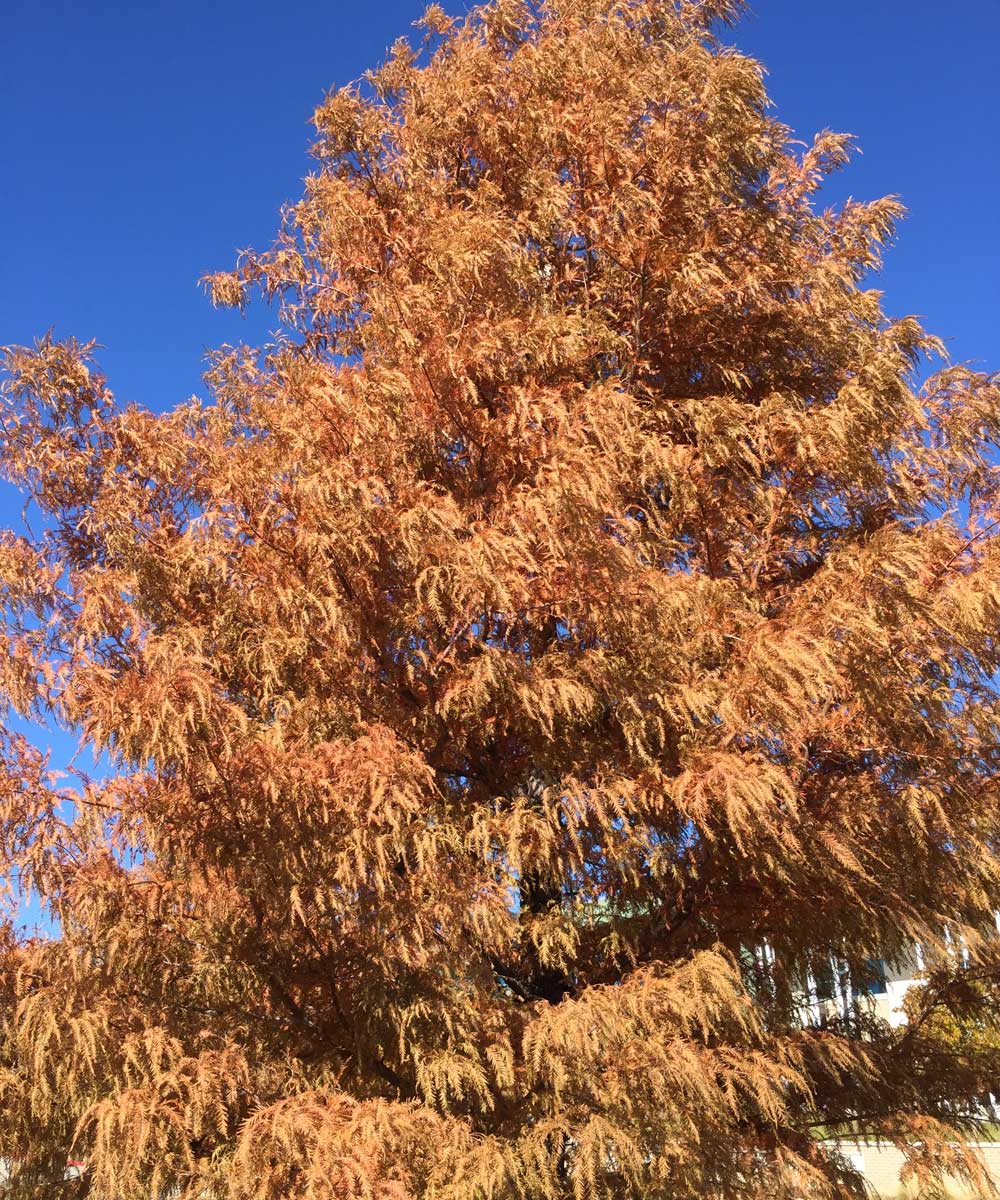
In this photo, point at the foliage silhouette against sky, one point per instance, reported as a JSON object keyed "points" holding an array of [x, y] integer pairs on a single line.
{"points": [[142, 146], [588, 540]]}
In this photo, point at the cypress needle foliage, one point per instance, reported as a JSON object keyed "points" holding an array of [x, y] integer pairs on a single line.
{"points": [[577, 627]]}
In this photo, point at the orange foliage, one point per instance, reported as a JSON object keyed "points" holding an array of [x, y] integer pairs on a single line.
{"points": [[580, 594]]}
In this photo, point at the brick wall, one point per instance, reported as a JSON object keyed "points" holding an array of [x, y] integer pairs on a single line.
{"points": [[881, 1166]]}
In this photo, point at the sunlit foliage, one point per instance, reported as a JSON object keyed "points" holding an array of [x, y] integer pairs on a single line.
{"points": [[578, 625]]}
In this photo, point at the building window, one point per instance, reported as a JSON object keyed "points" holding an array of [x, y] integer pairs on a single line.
{"points": [[872, 981], [826, 982]]}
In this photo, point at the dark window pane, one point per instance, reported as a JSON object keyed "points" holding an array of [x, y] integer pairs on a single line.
{"points": [[872, 981]]}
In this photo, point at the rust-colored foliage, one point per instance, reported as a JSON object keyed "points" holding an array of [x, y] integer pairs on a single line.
{"points": [[577, 606]]}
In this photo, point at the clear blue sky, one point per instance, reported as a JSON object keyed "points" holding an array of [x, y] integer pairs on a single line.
{"points": [[142, 144]]}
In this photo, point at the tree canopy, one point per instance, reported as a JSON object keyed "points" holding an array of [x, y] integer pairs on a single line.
{"points": [[519, 678]]}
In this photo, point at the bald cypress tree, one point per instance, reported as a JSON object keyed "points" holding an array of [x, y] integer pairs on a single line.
{"points": [[520, 678]]}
